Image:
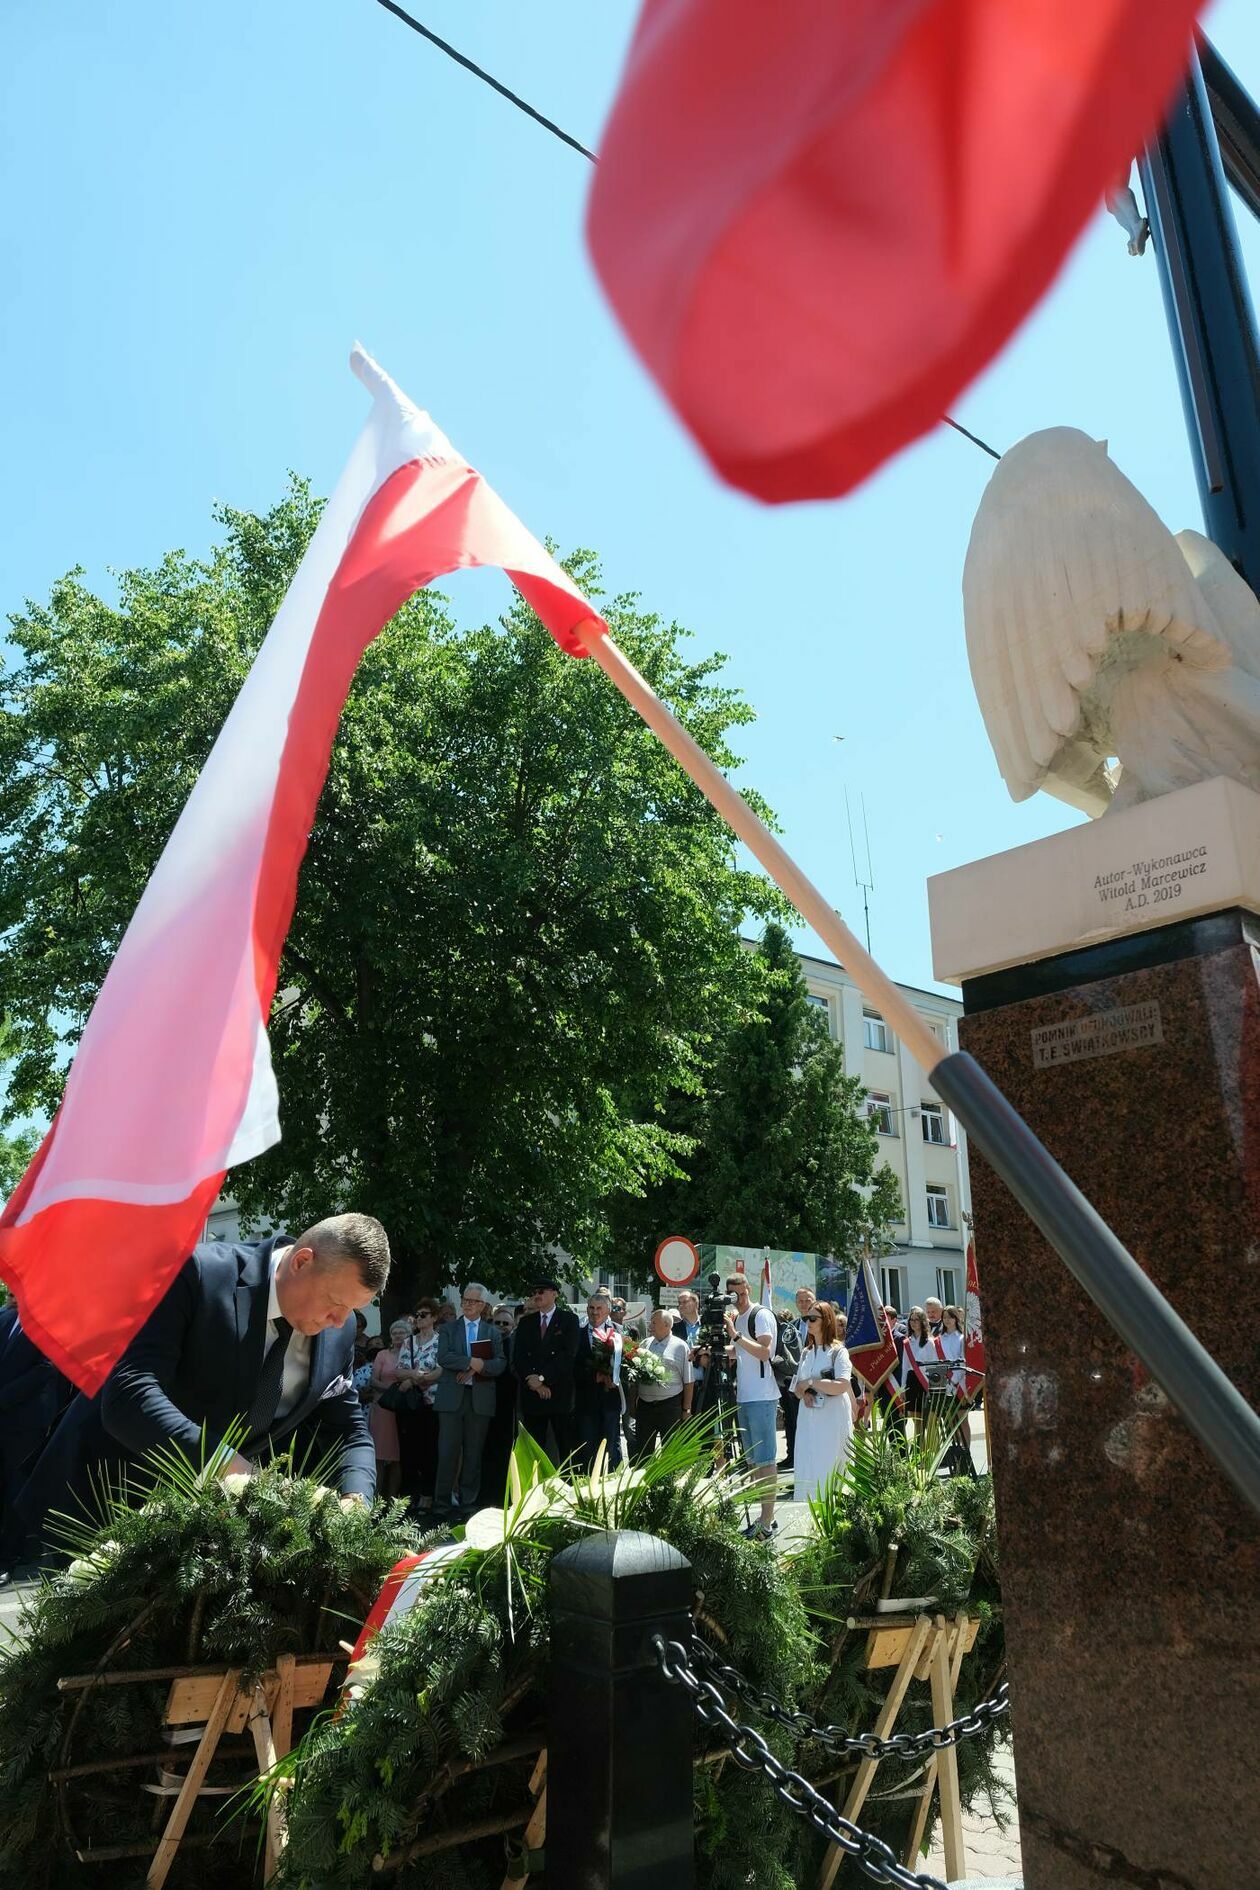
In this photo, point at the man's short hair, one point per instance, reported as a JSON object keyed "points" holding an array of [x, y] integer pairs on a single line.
{"points": [[660, 1312], [359, 1238], [737, 1279], [476, 1290], [598, 1292]]}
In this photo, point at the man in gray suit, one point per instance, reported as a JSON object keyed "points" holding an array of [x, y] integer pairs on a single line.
{"points": [[464, 1399]]}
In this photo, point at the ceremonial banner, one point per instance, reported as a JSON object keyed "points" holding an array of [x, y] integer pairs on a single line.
{"points": [[172, 1082], [872, 1350], [818, 222]]}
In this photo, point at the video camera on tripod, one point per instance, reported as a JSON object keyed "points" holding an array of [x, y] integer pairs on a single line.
{"points": [[713, 1310]]}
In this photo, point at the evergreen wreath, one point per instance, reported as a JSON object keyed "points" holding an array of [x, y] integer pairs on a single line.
{"points": [[461, 1677], [207, 1572], [447, 1714]]}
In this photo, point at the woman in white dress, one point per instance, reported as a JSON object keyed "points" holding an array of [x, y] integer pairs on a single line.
{"points": [[824, 1426]]}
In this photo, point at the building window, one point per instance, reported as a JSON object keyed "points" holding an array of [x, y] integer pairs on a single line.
{"points": [[932, 1116], [822, 1005], [938, 1207], [879, 1109], [876, 1032], [893, 1287], [947, 1285]]}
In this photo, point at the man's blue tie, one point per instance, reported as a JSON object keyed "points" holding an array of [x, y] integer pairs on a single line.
{"points": [[266, 1402]]}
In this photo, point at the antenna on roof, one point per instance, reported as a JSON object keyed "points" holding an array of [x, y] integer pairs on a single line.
{"points": [[867, 883]]}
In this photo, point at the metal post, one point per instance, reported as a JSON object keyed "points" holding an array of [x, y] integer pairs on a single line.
{"points": [[619, 1737], [1211, 320]]}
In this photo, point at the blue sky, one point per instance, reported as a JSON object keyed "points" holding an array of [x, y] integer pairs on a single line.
{"points": [[205, 206]]}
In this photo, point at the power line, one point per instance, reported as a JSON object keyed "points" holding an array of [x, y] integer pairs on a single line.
{"points": [[973, 437], [549, 124], [488, 78]]}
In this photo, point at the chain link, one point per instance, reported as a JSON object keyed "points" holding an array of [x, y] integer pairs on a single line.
{"points": [[749, 1750], [835, 1738]]}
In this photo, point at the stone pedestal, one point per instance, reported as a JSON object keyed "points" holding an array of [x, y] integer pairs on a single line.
{"points": [[1130, 1573]]}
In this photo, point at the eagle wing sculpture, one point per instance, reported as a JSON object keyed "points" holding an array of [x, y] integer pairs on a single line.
{"points": [[1094, 633]]}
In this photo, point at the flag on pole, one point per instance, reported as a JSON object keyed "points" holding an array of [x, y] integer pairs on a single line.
{"points": [[869, 1342], [818, 223], [973, 1328], [766, 1294], [172, 1082]]}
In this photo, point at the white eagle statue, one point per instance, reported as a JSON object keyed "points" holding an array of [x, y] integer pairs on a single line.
{"points": [[1095, 635]]}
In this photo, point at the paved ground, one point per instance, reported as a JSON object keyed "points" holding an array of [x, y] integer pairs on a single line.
{"points": [[10, 1606]]}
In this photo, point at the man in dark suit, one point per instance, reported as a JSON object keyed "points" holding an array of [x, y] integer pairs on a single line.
{"points": [[464, 1399], [501, 1436], [32, 1392], [543, 1353], [251, 1348]]}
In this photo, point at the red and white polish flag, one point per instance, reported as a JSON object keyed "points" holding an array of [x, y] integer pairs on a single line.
{"points": [[172, 1082]]}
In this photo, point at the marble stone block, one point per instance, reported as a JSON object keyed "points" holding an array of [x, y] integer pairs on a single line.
{"points": [[1130, 1571]]}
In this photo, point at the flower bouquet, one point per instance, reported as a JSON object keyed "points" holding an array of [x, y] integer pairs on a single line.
{"points": [[638, 1365]]}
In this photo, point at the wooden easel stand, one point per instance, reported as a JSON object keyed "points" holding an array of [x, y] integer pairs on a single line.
{"points": [[214, 1699], [920, 1647]]}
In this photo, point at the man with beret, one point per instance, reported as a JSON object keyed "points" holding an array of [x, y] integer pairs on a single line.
{"points": [[543, 1354]]}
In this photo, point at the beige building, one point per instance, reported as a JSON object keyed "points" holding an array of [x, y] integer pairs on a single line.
{"points": [[919, 1139]]}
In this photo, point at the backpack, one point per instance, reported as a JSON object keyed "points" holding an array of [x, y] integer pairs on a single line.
{"points": [[777, 1361]]}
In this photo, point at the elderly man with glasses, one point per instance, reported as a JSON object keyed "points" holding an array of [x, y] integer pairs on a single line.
{"points": [[470, 1357]]}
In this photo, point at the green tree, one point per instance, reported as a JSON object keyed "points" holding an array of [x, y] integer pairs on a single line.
{"points": [[784, 1154], [16, 1148], [517, 930]]}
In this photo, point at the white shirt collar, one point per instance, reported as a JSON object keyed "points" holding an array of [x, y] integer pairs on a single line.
{"points": [[273, 1298]]}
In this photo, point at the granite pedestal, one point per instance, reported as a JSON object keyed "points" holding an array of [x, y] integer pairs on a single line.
{"points": [[1130, 1574]]}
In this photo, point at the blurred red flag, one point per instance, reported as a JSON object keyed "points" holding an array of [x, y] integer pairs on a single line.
{"points": [[818, 220]]}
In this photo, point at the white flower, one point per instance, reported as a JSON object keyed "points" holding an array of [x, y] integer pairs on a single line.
{"points": [[491, 1528], [236, 1483], [362, 1674], [86, 1568]]}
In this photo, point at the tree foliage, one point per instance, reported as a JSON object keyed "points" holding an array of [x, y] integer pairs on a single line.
{"points": [[16, 1147], [784, 1154], [516, 935]]}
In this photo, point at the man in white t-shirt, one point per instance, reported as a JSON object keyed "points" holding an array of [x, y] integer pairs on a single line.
{"points": [[752, 1331]]}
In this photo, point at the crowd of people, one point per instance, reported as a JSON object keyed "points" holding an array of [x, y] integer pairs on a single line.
{"points": [[552, 1371], [257, 1344]]}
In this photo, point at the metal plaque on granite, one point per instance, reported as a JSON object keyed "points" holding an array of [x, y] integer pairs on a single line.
{"points": [[1128, 1027]]}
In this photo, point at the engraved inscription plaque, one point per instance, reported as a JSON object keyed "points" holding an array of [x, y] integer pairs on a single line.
{"points": [[1130, 1027]]}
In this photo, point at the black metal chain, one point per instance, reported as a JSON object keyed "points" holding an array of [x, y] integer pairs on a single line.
{"points": [[749, 1750], [835, 1738]]}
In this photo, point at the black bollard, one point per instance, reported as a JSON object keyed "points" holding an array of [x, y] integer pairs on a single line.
{"points": [[619, 1736]]}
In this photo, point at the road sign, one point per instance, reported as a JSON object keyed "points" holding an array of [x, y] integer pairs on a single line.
{"points": [[677, 1260]]}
